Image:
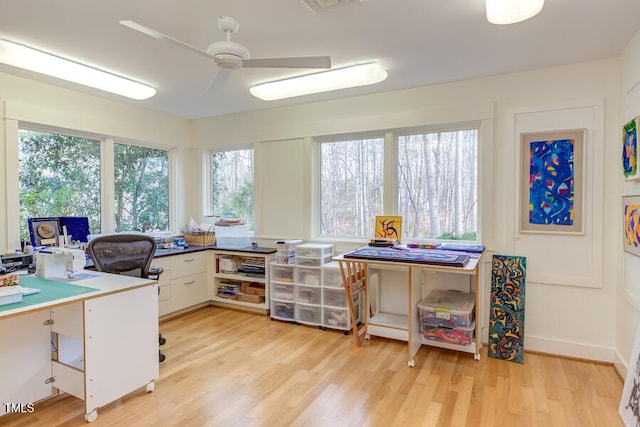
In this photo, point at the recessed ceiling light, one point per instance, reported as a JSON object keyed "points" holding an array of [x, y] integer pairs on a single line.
{"points": [[27, 58]]}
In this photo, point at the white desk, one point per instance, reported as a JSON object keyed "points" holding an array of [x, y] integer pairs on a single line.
{"points": [[405, 327], [97, 346]]}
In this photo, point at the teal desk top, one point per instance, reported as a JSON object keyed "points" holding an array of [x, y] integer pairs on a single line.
{"points": [[50, 290]]}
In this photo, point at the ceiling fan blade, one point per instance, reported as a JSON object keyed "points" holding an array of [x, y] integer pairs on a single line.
{"points": [[219, 79], [160, 36], [299, 62]]}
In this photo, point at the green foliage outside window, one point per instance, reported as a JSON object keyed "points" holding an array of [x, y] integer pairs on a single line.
{"points": [[232, 174], [141, 181], [59, 176]]}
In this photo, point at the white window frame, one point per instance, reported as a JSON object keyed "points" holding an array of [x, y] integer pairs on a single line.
{"points": [[107, 215], [208, 178], [390, 170]]}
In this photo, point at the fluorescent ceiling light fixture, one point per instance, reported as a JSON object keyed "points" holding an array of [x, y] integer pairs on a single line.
{"points": [[512, 11], [30, 59], [340, 78]]}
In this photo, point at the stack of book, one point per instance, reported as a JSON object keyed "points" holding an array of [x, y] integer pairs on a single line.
{"points": [[253, 267], [228, 290], [382, 243]]}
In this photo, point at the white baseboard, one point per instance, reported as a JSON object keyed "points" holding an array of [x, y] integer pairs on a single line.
{"points": [[573, 349]]}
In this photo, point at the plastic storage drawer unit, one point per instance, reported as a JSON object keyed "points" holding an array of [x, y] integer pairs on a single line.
{"points": [[447, 308], [314, 250], [307, 276], [283, 310], [334, 298], [308, 314], [308, 294], [282, 273], [331, 275]]}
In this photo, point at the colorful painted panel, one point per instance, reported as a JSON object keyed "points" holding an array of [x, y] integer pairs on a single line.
{"points": [[389, 227], [506, 317], [631, 224], [551, 188], [630, 149]]}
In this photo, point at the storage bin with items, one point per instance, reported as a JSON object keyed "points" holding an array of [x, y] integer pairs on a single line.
{"points": [[458, 336], [448, 309]]}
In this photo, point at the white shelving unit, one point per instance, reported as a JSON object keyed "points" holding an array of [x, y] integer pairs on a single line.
{"points": [[231, 269]]}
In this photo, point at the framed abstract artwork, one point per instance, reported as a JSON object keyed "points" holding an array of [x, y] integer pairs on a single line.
{"points": [[389, 227], [631, 224], [552, 180], [630, 151]]}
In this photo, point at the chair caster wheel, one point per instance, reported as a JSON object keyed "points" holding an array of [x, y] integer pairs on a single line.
{"points": [[161, 357]]}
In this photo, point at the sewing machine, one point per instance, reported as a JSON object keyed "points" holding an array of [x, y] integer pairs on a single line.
{"points": [[59, 262]]}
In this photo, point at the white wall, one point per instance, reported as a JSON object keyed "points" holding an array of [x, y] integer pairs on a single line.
{"points": [[562, 319], [563, 315], [628, 301]]}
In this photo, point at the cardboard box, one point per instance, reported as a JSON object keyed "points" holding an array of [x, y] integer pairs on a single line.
{"points": [[256, 299], [251, 288]]}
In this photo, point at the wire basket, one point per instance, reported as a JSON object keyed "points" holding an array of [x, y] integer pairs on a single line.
{"points": [[200, 238]]}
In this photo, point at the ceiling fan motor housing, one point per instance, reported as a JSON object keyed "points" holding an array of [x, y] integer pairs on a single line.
{"points": [[228, 54]]}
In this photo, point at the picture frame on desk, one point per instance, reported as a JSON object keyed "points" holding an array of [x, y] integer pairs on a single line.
{"points": [[552, 182]]}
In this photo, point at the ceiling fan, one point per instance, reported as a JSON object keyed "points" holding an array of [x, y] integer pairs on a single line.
{"points": [[229, 55]]}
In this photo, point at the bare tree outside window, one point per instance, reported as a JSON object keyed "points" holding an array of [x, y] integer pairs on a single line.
{"points": [[437, 185], [351, 181], [232, 189]]}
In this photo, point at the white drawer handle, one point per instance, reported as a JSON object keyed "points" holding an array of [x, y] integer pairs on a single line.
{"points": [[190, 283], [189, 260]]}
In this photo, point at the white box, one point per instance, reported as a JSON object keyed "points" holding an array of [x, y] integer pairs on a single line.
{"points": [[232, 231], [10, 294], [227, 242], [287, 246]]}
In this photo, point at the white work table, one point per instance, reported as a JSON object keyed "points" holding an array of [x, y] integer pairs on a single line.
{"points": [[95, 338], [405, 326]]}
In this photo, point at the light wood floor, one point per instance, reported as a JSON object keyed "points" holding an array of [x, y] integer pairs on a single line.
{"points": [[228, 368]]}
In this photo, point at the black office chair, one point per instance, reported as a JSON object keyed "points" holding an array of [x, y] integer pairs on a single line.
{"points": [[127, 254]]}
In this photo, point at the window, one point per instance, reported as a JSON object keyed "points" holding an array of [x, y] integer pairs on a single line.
{"points": [[141, 188], [351, 178], [436, 191], [437, 185], [59, 176], [232, 184]]}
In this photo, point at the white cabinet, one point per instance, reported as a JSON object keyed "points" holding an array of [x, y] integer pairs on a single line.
{"points": [[98, 349], [188, 280], [240, 279], [164, 284]]}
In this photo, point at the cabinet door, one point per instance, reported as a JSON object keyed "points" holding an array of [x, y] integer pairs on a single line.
{"points": [[164, 284], [121, 344], [189, 290], [25, 359]]}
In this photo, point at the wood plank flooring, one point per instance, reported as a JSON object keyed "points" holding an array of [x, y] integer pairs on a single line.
{"points": [[229, 368]]}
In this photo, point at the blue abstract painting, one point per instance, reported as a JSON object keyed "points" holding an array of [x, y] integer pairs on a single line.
{"points": [[551, 182]]}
